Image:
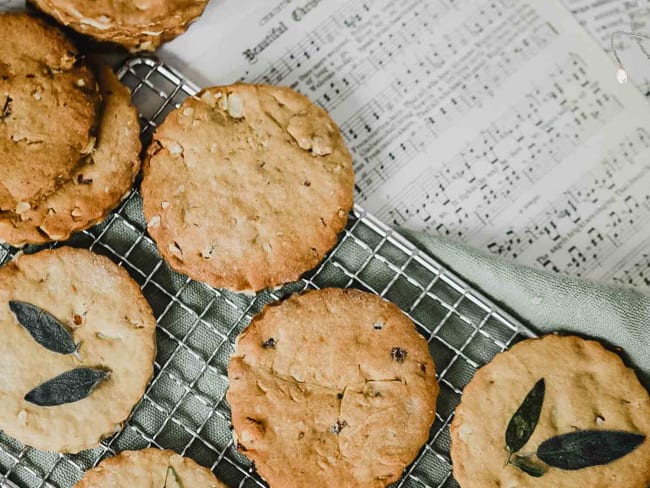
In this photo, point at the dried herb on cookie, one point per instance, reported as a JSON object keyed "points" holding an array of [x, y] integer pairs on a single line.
{"points": [[49, 332], [46, 329], [71, 386], [575, 450]]}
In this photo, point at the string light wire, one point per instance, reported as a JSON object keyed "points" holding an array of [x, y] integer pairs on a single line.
{"points": [[622, 75]]}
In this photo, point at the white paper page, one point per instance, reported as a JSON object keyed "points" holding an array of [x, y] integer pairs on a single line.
{"points": [[495, 122], [604, 17]]}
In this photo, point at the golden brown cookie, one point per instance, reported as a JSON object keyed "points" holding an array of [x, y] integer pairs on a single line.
{"points": [[111, 323], [138, 25], [332, 388], [586, 388], [149, 468], [97, 186], [49, 103], [247, 186]]}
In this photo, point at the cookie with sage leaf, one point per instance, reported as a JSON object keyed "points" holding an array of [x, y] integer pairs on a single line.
{"points": [[77, 351], [149, 468], [557, 412]]}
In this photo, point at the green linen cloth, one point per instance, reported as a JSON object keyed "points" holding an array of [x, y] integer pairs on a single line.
{"points": [[549, 302]]}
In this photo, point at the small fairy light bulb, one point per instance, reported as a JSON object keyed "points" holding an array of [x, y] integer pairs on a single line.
{"points": [[621, 75]]}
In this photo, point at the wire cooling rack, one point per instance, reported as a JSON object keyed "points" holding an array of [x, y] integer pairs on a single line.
{"points": [[184, 408]]}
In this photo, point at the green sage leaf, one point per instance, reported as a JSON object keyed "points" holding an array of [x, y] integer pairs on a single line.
{"points": [[523, 422], [171, 480], [43, 327], [528, 466], [69, 387], [586, 448]]}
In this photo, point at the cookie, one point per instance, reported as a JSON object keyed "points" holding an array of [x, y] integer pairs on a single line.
{"points": [[49, 103], [149, 468], [332, 388], [97, 186], [110, 324], [586, 388], [247, 186], [137, 25]]}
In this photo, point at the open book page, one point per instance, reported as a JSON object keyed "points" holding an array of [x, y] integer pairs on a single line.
{"points": [[495, 122], [604, 17]]}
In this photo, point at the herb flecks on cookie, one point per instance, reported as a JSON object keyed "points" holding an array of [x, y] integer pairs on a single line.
{"points": [[321, 396]]}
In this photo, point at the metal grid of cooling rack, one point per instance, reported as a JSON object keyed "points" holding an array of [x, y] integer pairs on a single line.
{"points": [[184, 408]]}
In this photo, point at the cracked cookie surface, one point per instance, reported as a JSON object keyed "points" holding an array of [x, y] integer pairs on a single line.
{"points": [[49, 103], [96, 186], [149, 468], [137, 25], [586, 387], [104, 310], [332, 388], [247, 186]]}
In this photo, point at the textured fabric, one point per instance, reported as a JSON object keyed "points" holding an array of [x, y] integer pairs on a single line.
{"points": [[548, 302]]}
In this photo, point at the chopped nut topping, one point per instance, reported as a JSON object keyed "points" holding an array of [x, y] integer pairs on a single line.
{"points": [[154, 222], [22, 207], [235, 105], [176, 251]]}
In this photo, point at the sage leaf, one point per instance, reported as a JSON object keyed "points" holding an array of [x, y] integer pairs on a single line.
{"points": [[585, 448], [171, 480], [69, 387], [43, 327], [528, 466], [523, 422]]}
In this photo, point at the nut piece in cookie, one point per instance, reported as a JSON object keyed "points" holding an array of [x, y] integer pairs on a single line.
{"points": [[77, 351], [247, 186], [49, 109], [149, 468], [97, 185], [555, 412], [141, 25], [319, 397]]}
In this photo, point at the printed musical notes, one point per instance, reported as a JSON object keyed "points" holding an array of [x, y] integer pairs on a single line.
{"points": [[592, 219], [509, 157]]}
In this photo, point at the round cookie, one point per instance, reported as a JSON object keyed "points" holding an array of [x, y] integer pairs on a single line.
{"points": [[247, 186], [332, 388], [109, 319], [49, 103], [586, 388], [137, 25], [97, 186], [149, 468]]}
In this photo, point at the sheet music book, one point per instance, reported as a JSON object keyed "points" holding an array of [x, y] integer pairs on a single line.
{"points": [[496, 122]]}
